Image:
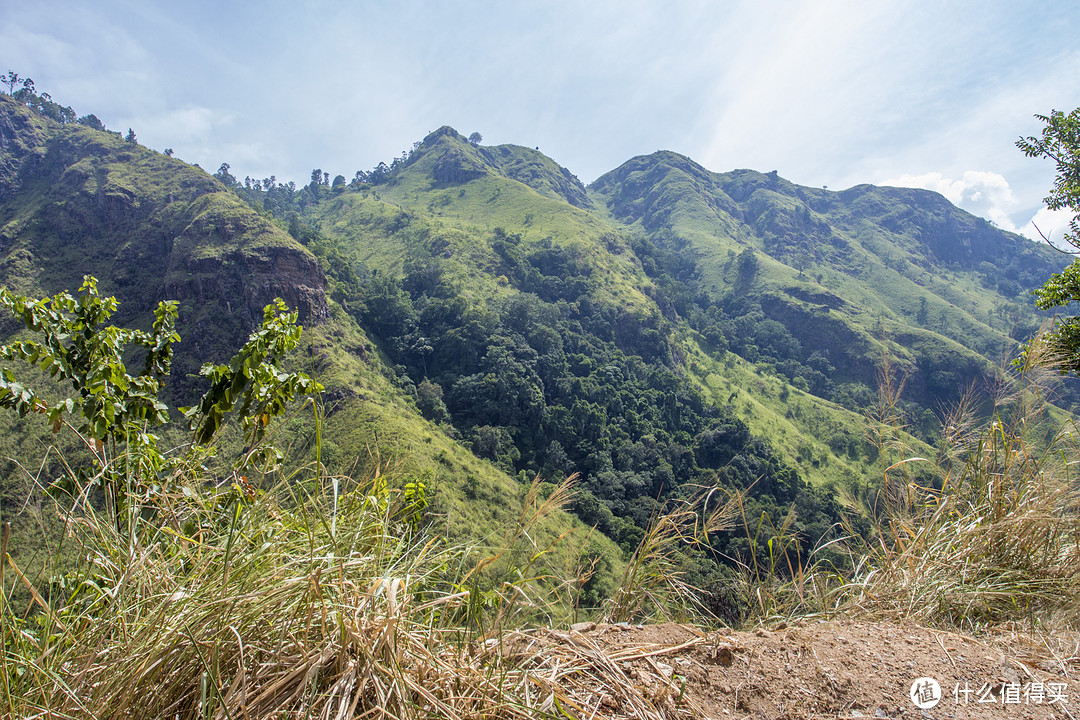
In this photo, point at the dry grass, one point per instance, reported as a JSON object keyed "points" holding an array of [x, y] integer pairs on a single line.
{"points": [[582, 678], [239, 603], [985, 534], [998, 538]]}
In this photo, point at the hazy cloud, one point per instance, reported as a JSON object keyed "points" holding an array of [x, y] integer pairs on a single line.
{"points": [[184, 125]]}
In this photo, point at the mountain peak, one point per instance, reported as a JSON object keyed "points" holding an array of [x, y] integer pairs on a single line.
{"points": [[538, 171], [445, 131], [647, 187], [450, 158]]}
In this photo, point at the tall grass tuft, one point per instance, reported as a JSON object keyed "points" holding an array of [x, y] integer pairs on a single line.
{"points": [[996, 536], [984, 533], [242, 603], [652, 586]]}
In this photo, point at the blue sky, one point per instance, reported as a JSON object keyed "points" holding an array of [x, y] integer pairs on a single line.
{"points": [[829, 92]]}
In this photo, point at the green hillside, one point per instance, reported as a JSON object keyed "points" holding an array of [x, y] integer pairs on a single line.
{"points": [[78, 200], [844, 272], [480, 317]]}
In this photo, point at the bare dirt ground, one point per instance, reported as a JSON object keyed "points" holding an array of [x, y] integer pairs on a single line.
{"points": [[812, 669]]}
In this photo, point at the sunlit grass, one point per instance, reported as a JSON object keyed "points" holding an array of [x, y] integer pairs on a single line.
{"points": [[986, 533], [321, 598]]}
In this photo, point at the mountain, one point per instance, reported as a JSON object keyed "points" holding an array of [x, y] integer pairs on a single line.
{"points": [[849, 274], [481, 315], [75, 200]]}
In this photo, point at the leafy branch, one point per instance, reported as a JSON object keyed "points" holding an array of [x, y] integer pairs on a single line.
{"points": [[253, 379], [74, 344]]}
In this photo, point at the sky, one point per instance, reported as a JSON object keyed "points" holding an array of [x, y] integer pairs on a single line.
{"points": [[826, 92]]}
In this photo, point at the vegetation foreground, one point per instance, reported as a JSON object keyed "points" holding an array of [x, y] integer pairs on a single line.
{"points": [[322, 596]]}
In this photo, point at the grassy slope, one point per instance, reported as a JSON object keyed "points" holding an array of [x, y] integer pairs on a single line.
{"points": [[866, 258], [490, 199], [81, 201], [847, 273]]}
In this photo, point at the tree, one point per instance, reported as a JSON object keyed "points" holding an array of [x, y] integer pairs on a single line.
{"points": [[225, 176], [27, 94], [476, 138], [748, 264], [130, 137], [76, 347], [1060, 142], [11, 80], [380, 174], [429, 400], [91, 121]]}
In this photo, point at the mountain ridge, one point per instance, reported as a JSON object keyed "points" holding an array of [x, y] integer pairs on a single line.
{"points": [[812, 233], [665, 327]]}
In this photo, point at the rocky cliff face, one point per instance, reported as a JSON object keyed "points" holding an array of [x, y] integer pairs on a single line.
{"points": [[246, 282]]}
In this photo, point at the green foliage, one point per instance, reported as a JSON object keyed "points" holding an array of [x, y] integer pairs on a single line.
{"points": [[79, 349], [86, 200], [1060, 142], [253, 379], [11, 80], [414, 502], [994, 536]]}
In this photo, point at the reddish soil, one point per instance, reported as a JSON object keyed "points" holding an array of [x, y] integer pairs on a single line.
{"points": [[841, 669]]}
